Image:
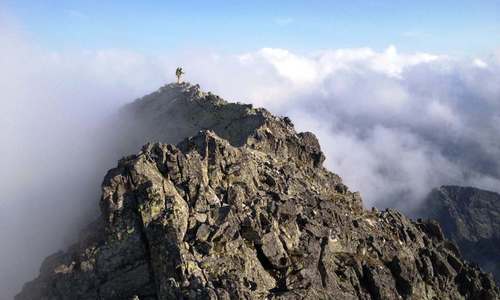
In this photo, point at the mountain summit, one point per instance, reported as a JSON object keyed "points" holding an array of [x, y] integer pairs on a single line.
{"points": [[229, 202]]}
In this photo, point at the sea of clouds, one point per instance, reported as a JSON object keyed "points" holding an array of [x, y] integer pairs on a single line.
{"points": [[393, 125]]}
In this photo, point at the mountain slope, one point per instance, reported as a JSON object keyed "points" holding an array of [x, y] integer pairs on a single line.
{"points": [[471, 218], [244, 209], [178, 111]]}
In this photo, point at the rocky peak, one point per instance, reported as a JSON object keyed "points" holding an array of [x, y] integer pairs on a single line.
{"points": [[178, 111], [243, 209]]}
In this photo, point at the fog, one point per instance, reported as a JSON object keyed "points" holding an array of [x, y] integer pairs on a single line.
{"points": [[392, 124], [56, 144]]}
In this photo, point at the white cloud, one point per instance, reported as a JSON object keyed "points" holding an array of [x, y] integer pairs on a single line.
{"points": [[55, 150], [479, 63], [388, 62], [393, 124], [441, 113], [299, 70]]}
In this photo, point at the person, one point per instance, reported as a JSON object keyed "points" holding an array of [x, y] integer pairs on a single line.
{"points": [[179, 72]]}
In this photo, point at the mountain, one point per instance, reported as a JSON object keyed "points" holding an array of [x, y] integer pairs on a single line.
{"points": [[178, 111], [470, 217], [241, 207]]}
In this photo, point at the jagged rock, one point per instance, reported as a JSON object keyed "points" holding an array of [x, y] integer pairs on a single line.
{"points": [[245, 210], [470, 217]]}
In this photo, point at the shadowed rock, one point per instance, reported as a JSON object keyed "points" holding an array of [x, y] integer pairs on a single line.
{"points": [[470, 217]]}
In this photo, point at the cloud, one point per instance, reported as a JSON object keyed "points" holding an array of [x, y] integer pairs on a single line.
{"points": [[479, 63], [56, 144], [392, 124], [298, 70]]}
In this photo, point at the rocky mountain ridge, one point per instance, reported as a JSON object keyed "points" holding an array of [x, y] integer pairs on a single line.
{"points": [[243, 209], [470, 217]]}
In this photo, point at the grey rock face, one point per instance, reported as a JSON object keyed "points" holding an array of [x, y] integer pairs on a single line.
{"points": [[245, 210], [178, 111], [470, 217]]}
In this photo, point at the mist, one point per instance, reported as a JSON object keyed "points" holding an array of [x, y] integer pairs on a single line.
{"points": [[57, 144], [393, 125]]}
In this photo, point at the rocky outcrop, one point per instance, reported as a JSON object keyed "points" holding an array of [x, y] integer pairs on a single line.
{"points": [[244, 209], [470, 217], [178, 111]]}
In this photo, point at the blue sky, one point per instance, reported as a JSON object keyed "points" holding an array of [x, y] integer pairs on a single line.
{"points": [[451, 27]]}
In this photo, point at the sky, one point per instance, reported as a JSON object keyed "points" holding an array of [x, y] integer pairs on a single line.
{"points": [[404, 96], [452, 27]]}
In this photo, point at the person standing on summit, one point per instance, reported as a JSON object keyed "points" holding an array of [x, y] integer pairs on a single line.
{"points": [[179, 72]]}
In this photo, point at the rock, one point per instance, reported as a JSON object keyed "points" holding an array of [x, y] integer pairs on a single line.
{"points": [[245, 210], [273, 250], [203, 232], [470, 217]]}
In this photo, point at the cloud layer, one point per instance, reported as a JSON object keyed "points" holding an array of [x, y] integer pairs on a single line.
{"points": [[393, 125]]}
